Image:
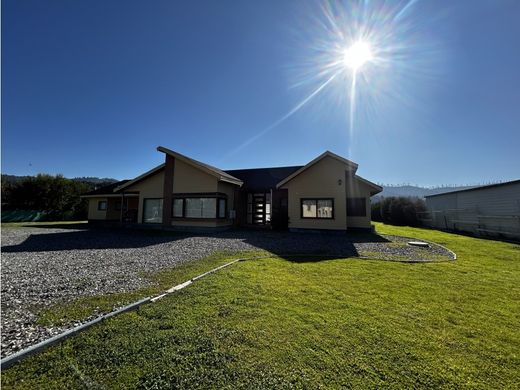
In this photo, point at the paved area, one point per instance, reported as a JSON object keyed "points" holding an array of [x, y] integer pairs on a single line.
{"points": [[43, 266]]}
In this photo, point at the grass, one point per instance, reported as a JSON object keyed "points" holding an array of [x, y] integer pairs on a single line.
{"points": [[56, 224], [275, 323]]}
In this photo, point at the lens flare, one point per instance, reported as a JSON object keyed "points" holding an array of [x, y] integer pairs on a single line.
{"points": [[357, 55], [362, 56]]}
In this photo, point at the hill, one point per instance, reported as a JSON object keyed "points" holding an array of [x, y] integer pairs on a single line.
{"points": [[415, 191]]}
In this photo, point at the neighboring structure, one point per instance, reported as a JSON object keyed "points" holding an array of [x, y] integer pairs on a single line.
{"points": [[187, 194], [492, 210]]}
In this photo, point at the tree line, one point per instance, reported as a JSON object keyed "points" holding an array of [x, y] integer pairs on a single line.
{"points": [[54, 198], [403, 211]]}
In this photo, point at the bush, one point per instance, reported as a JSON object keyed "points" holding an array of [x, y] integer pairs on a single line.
{"points": [[55, 197], [398, 211]]}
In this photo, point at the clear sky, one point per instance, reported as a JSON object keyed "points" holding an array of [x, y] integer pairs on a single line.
{"points": [[91, 88]]}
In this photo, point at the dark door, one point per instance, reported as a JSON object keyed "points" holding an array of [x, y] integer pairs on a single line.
{"points": [[258, 209]]}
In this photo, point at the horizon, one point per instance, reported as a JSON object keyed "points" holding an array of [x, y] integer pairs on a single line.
{"points": [[90, 90], [387, 185]]}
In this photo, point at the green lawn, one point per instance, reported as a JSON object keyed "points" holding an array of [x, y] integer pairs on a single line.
{"points": [[275, 323], [56, 224]]}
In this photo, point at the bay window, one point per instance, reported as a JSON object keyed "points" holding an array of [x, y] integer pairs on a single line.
{"points": [[199, 207]]}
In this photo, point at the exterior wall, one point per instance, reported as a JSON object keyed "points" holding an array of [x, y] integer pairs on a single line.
{"points": [[112, 213], [149, 187], [93, 212], [358, 189], [486, 211], [318, 181], [187, 178]]}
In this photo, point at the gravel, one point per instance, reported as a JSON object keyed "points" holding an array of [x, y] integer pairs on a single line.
{"points": [[42, 267]]}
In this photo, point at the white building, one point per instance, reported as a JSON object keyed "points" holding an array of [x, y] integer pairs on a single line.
{"points": [[492, 210]]}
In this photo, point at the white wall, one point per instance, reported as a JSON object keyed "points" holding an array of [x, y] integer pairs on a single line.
{"points": [[486, 211]]}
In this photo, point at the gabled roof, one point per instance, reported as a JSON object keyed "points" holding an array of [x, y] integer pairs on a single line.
{"points": [[105, 190], [261, 179], [377, 189], [327, 153], [218, 173], [139, 178]]}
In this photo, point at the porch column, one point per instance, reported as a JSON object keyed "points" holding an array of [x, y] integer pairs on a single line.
{"points": [[168, 190]]}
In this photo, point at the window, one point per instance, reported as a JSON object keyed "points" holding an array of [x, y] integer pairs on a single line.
{"points": [[178, 207], [222, 208], [318, 208], [152, 210], [356, 207], [203, 207], [102, 205]]}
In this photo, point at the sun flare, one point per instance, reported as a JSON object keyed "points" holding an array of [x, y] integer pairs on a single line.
{"points": [[357, 55]]}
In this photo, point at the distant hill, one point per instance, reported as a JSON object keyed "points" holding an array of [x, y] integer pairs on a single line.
{"points": [[96, 181], [416, 191]]}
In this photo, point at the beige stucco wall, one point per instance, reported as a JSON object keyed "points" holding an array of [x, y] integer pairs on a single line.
{"points": [[318, 181], [93, 212], [187, 178], [149, 187], [358, 189]]}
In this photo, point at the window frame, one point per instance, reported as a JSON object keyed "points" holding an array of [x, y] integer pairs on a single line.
{"points": [[316, 200], [99, 205], [162, 210], [364, 200], [217, 198]]}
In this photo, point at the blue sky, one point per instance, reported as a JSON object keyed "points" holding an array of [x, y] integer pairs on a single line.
{"points": [[91, 88]]}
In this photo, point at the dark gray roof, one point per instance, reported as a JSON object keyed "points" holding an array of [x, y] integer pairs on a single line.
{"points": [[262, 178], [475, 188], [108, 189]]}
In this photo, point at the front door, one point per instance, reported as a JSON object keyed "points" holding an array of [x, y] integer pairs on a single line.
{"points": [[258, 209]]}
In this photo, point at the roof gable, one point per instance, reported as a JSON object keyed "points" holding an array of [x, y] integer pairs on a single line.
{"points": [[139, 178], [218, 173], [326, 154]]}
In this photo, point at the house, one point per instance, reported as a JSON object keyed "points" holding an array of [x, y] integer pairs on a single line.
{"points": [[185, 194], [491, 210]]}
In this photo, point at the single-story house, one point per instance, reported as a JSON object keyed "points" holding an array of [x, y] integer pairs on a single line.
{"points": [[185, 194], [490, 210]]}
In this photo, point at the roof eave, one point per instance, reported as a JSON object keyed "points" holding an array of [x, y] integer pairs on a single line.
{"points": [[140, 177], [213, 171]]}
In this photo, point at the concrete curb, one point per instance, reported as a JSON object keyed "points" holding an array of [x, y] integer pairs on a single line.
{"points": [[21, 355]]}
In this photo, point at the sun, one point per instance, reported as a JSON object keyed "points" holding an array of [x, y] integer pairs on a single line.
{"points": [[357, 55]]}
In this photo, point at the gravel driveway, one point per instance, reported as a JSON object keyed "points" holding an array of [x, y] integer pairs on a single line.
{"points": [[43, 266]]}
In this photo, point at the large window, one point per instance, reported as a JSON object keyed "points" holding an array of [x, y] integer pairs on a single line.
{"points": [[203, 207], [152, 210], [178, 207], [356, 207], [318, 208], [222, 208]]}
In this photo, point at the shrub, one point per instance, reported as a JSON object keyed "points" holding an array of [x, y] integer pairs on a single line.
{"points": [[399, 210]]}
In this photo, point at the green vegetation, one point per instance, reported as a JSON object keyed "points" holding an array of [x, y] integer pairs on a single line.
{"points": [[45, 197], [56, 224], [401, 211], [276, 323]]}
